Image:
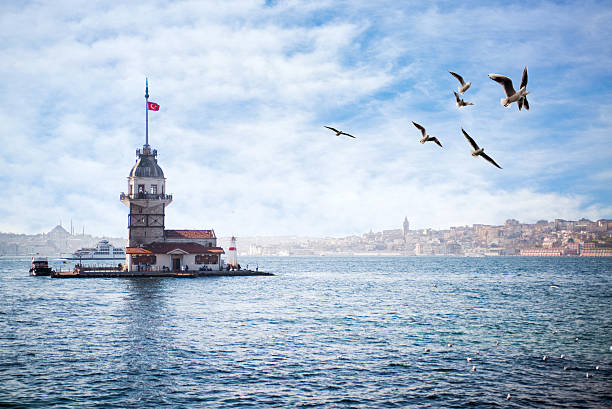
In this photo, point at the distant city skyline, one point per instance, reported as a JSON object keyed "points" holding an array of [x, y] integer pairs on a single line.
{"points": [[510, 238], [80, 230], [245, 90], [557, 238]]}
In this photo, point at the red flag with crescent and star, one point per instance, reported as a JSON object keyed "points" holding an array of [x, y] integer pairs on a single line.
{"points": [[153, 106]]}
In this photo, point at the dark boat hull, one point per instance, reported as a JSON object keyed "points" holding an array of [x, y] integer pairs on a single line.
{"points": [[41, 271]]}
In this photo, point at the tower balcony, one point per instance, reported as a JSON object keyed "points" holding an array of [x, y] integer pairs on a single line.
{"points": [[145, 199]]}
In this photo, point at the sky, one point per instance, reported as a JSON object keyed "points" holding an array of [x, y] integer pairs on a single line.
{"points": [[246, 88]]}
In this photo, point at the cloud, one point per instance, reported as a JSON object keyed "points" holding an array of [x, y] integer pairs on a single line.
{"points": [[245, 91]]}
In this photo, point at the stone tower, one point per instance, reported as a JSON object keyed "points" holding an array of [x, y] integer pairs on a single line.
{"points": [[146, 197], [405, 226]]}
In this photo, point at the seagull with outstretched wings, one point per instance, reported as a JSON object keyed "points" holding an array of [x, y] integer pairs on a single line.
{"points": [[464, 86], [520, 96], [477, 150], [460, 101], [426, 138], [338, 133]]}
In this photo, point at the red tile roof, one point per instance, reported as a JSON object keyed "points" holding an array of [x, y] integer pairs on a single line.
{"points": [[136, 250], [190, 234], [165, 248]]}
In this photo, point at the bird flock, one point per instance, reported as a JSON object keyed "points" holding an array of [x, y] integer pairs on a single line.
{"points": [[482, 358], [512, 95]]}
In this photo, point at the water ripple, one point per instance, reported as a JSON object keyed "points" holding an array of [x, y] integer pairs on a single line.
{"points": [[324, 332]]}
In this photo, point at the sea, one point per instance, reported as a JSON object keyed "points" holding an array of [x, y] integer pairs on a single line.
{"points": [[323, 332]]}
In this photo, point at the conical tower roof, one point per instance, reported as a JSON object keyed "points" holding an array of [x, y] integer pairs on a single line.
{"points": [[146, 166]]}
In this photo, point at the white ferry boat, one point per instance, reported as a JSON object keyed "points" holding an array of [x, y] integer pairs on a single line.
{"points": [[103, 251]]}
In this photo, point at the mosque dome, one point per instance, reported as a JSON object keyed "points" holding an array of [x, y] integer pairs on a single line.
{"points": [[146, 166]]}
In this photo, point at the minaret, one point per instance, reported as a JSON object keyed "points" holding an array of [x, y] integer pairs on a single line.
{"points": [[146, 197]]}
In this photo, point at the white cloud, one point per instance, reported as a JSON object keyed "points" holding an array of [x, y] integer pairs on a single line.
{"points": [[245, 90]]}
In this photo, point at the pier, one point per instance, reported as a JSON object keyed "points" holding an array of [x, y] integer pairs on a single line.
{"points": [[114, 272]]}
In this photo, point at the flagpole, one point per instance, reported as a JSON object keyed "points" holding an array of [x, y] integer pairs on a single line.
{"points": [[147, 112]]}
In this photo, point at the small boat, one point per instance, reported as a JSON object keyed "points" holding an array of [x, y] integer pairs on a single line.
{"points": [[40, 267]]}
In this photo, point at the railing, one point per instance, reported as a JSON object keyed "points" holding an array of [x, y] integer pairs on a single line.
{"points": [[164, 269], [92, 268], [146, 196], [150, 268]]}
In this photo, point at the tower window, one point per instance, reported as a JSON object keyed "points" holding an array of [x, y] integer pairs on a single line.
{"points": [[153, 189], [141, 188]]}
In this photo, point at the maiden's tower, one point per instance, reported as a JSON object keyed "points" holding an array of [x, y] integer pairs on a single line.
{"points": [[150, 246]]}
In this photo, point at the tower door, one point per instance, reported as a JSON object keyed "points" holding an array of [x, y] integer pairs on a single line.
{"points": [[176, 263]]}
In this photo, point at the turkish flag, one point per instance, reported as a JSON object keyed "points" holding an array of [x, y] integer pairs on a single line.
{"points": [[153, 106]]}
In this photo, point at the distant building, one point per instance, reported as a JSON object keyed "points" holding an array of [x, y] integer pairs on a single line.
{"points": [[58, 233], [571, 249], [541, 252], [390, 235], [604, 225], [596, 252]]}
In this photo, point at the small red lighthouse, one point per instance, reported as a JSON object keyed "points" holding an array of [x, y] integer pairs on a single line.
{"points": [[232, 256]]}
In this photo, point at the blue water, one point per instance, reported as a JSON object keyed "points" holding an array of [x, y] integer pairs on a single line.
{"points": [[324, 332]]}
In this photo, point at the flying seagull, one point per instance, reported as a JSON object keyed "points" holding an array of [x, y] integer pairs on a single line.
{"points": [[338, 133], [520, 96], [464, 87], [426, 138], [460, 101], [478, 151]]}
